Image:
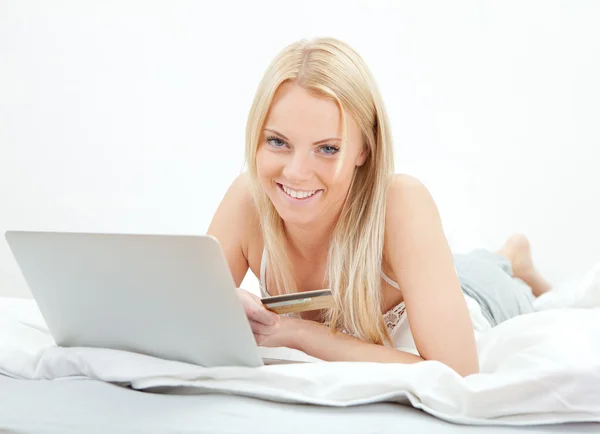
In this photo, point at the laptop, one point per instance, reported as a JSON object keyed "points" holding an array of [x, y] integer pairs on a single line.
{"points": [[167, 296]]}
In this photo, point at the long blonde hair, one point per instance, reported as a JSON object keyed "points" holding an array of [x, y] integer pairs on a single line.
{"points": [[332, 69]]}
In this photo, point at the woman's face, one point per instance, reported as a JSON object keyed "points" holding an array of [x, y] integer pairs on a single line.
{"points": [[300, 161]]}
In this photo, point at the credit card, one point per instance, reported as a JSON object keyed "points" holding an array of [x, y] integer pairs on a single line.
{"points": [[299, 301]]}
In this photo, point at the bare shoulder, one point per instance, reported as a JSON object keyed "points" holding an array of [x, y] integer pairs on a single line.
{"points": [[241, 188], [247, 214], [408, 196], [252, 220], [232, 225], [410, 207], [403, 185]]}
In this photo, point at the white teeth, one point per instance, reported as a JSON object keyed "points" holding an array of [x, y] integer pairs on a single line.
{"points": [[298, 194]]}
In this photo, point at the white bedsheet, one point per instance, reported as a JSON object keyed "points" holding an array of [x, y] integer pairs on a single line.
{"points": [[535, 369]]}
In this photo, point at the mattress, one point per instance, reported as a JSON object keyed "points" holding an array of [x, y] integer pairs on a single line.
{"points": [[90, 406]]}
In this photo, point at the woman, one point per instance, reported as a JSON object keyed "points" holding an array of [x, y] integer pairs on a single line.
{"points": [[321, 207]]}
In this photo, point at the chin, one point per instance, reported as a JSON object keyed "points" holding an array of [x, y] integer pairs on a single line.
{"points": [[296, 220]]}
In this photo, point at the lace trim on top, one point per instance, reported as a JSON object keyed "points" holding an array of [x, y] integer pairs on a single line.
{"points": [[394, 317]]}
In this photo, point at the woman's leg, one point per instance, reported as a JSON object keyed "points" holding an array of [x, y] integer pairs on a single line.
{"points": [[504, 283], [487, 277], [518, 251]]}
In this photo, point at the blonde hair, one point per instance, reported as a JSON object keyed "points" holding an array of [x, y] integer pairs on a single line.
{"points": [[332, 69]]}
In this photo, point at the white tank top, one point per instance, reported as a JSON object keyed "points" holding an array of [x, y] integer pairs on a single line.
{"points": [[395, 318]]}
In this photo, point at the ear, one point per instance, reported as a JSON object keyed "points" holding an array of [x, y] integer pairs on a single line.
{"points": [[360, 160]]}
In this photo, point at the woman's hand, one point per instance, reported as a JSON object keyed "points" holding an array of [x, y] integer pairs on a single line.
{"points": [[262, 321], [283, 334]]}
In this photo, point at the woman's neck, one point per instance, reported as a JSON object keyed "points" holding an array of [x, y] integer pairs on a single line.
{"points": [[310, 244]]}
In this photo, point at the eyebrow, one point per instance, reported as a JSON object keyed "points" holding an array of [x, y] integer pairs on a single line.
{"points": [[316, 143]]}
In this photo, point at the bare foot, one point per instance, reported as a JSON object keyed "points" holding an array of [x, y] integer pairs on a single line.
{"points": [[518, 250]]}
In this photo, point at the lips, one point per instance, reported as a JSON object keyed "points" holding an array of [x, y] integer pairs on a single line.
{"points": [[280, 187]]}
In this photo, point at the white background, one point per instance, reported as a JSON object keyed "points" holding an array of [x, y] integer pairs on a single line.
{"points": [[129, 116]]}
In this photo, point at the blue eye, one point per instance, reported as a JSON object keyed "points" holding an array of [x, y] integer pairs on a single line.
{"points": [[275, 142], [330, 150]]}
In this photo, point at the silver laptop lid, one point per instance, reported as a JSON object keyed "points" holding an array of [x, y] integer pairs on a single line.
{"points": [[168, 296]]}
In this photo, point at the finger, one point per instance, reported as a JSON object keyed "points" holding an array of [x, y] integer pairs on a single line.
{"points": [[247, 294], [255, 310], [262, 315]]}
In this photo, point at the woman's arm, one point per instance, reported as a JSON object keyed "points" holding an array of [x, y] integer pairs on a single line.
{"points": [[317, 340], [422, 262], [229, 226]]}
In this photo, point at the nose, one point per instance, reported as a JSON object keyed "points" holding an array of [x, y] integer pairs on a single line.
{"points": [[298, 168]]}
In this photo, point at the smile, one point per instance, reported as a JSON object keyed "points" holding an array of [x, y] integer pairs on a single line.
{"points": [[298, 196]]}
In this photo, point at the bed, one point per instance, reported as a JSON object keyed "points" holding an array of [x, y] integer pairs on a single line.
{"points": [[89, 406], [538, 373]]}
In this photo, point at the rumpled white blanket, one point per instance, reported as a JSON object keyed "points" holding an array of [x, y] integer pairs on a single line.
{"points": [[539, 368]]}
